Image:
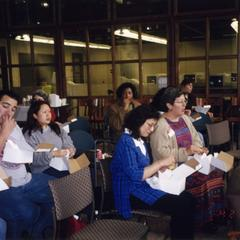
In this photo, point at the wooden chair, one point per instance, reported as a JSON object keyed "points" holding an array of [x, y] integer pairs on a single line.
{"points": [[219, 137], [72, 194]]}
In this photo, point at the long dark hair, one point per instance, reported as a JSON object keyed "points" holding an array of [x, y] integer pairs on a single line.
{"points": [[32, 123], [120, 90], [137, 117]]}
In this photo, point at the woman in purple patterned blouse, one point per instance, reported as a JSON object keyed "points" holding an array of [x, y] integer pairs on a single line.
{"points": [[175, 135]]}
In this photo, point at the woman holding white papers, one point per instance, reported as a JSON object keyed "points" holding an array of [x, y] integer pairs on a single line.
{"points": [[41, 129], [131, 167], [175, 135]]}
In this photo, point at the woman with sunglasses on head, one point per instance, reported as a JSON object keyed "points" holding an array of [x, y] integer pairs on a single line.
{"points": [[175, 135], [131, 167]]}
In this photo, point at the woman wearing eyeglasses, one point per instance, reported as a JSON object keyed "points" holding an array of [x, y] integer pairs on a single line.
{"points": [[131, 167], [175, 135]]}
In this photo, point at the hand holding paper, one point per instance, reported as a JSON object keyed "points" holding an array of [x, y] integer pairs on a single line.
{"points": [[168, 162], [60, 163], [195, 149]]}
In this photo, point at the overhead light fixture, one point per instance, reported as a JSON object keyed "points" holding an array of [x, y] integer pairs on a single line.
{"points": [[71, 43], [124, 32], [45, 4], [234, 24]]}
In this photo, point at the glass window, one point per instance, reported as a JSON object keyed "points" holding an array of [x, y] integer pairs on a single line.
{"points": [[135, 8], [43, 48], [82, 10], [154, 77], [100, 44], [223, 38], [26, 79], [127, 72], [101, 79], [126, 40], [191, 39], [20, 49], [16, 73], [45, 78], [223, 73], [193, 69], [205, 5], [24, 12], [76, 80], [154, 41], [75, 46]]}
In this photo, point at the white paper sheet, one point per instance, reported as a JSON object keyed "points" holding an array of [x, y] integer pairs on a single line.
{"points": [[3, 185], [13, 154], [66, 128], [205, 161], [59, 163], [184, 171], [203, 109]]}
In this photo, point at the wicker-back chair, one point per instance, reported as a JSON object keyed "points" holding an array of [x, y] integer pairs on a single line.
{"points": [[72, 194]]}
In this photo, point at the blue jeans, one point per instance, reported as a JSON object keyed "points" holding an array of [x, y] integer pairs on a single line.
{"points": [[28, 207], [3, 229]]}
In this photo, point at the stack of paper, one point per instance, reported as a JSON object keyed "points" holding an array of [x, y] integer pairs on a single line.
{"points": [[203, 109]]}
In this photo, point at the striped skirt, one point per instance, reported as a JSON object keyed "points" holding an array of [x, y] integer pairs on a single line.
{"points": [[209, 193]]}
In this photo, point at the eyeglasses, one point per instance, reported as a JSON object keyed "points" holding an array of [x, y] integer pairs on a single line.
{"points": [[183, 102], [152, 126]]}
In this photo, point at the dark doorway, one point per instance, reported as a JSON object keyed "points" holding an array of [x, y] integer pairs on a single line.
{"points": [[4, 80]]}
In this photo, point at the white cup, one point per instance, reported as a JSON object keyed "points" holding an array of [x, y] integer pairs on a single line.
{"points": [[63, 101]]}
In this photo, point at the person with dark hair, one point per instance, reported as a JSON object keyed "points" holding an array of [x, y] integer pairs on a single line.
{"points": [[200, 124], [131, 167], [41, 129], [126, 101], [187, 87], [26, 205], [155, 101], [40, 95], [175, 135]]}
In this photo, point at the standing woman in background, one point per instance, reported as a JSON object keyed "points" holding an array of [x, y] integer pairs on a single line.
{"points": [[126, 101]]}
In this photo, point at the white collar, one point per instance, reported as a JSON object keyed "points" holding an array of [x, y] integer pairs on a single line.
{"points": [[138, 142]]}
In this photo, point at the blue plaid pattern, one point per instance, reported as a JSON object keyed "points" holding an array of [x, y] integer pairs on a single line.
{"points": [[127, 172]]}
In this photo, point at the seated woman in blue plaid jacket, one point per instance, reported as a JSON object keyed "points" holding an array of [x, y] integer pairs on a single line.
{"points": [[131, 167]]}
